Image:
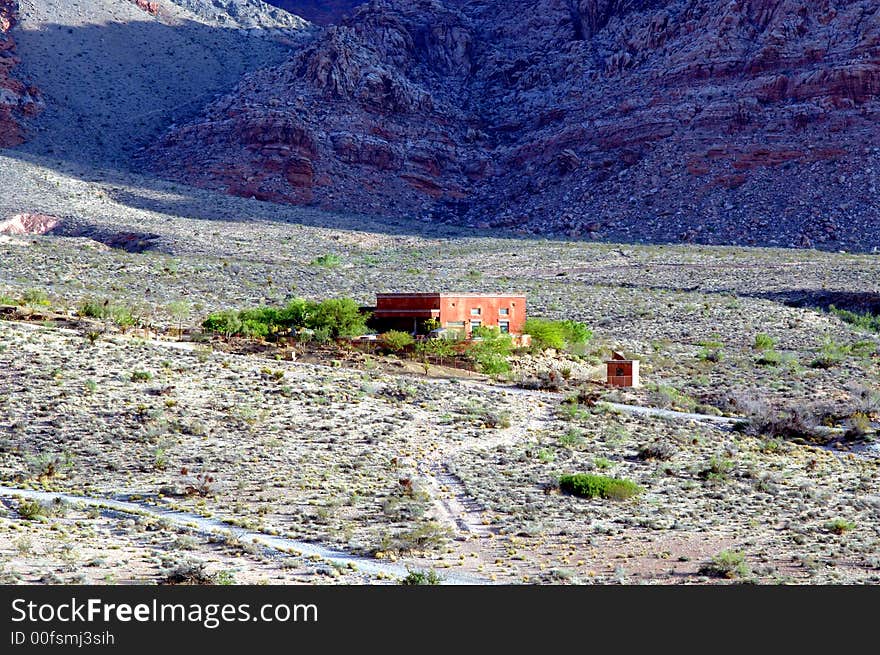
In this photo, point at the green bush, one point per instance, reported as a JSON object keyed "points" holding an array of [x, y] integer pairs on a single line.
{"points": [[397, 340], [727, 564], [711, 355], [559, 335], [341, 316], [30, 510], [764, 342], [327, 261], [141, 376], [587, 485], [429, 577], [831, 354], [94, 309], [866, 321], [769, 358], [839, 526], [35, 297], [490, 352], [228, 323], [336, 317], [545, 334]]}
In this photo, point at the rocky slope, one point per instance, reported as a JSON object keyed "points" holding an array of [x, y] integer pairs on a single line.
{"points": [[320, 12], [16, 99], [114, 74], [752, 121]]}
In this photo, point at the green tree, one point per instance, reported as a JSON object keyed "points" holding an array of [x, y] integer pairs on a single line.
{"points": [[340, 316], [397, 340], [179, 310]]}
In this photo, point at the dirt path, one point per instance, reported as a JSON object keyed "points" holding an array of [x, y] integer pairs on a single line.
{"points": [[453, 504], [281, 545]]}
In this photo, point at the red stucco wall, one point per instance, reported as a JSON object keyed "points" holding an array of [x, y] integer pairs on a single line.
{"points": [[453, 308]]}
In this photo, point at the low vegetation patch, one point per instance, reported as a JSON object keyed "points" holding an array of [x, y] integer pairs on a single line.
{"points": [[569, 336], [30, 510], [727, 564], [429, 577], [865, 321], [587, 485], [335, 317], [839, 526]]}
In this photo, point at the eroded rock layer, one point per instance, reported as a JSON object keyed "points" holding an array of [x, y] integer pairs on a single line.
{"points": [[748, 121]]}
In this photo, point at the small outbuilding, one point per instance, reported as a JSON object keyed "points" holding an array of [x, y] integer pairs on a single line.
{"points": [[622, 372]]}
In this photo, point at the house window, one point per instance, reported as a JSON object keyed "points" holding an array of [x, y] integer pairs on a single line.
{"points": [[504, 311], [504, 326], [475, 323], [455, 324], [475, 311]]}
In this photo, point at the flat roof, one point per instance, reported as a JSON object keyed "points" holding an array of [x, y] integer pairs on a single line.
{"points": [[444, 294]]}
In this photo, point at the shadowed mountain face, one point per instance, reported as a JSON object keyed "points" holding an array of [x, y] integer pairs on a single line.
{"points": [[723, 122], [751, 122], [112, 75], [321, 12]]}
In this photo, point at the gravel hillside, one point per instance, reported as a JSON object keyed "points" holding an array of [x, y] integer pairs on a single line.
{"points": [[113, 75]]}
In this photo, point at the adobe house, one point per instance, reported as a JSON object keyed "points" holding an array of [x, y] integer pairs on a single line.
{"points": [[455, 311], [622, 372]]}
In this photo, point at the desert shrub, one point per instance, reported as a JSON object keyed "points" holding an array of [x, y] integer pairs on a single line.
{"points": [[769, 358], [576, 333], [764, 342], [429, 577], [397, 340], [254, 329], [48, 465], [322, 335], [187, 572], [550, 380], [442, 349], [858, 425], [30, 510], [141, 376], [94, 309], [122, 317], [718, 469], [198, 484], [337, 317], [726, 564], [35, 297], [830, 355], [327, 261], [493, 418], [785, 423], [659, 450], [426, 536], [573, 437], [545, 334], [714, 355], [226, 323], [865, 321], [839, 526], [666, 396], [587, 485], [559, 335]]}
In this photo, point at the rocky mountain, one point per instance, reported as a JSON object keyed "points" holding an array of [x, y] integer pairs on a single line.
{"points": [[749, 121], [113, 75], [320, 12]]}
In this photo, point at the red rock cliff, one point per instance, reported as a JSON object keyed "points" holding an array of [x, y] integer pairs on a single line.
{"points": [[16, 100], [723, 121]]}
